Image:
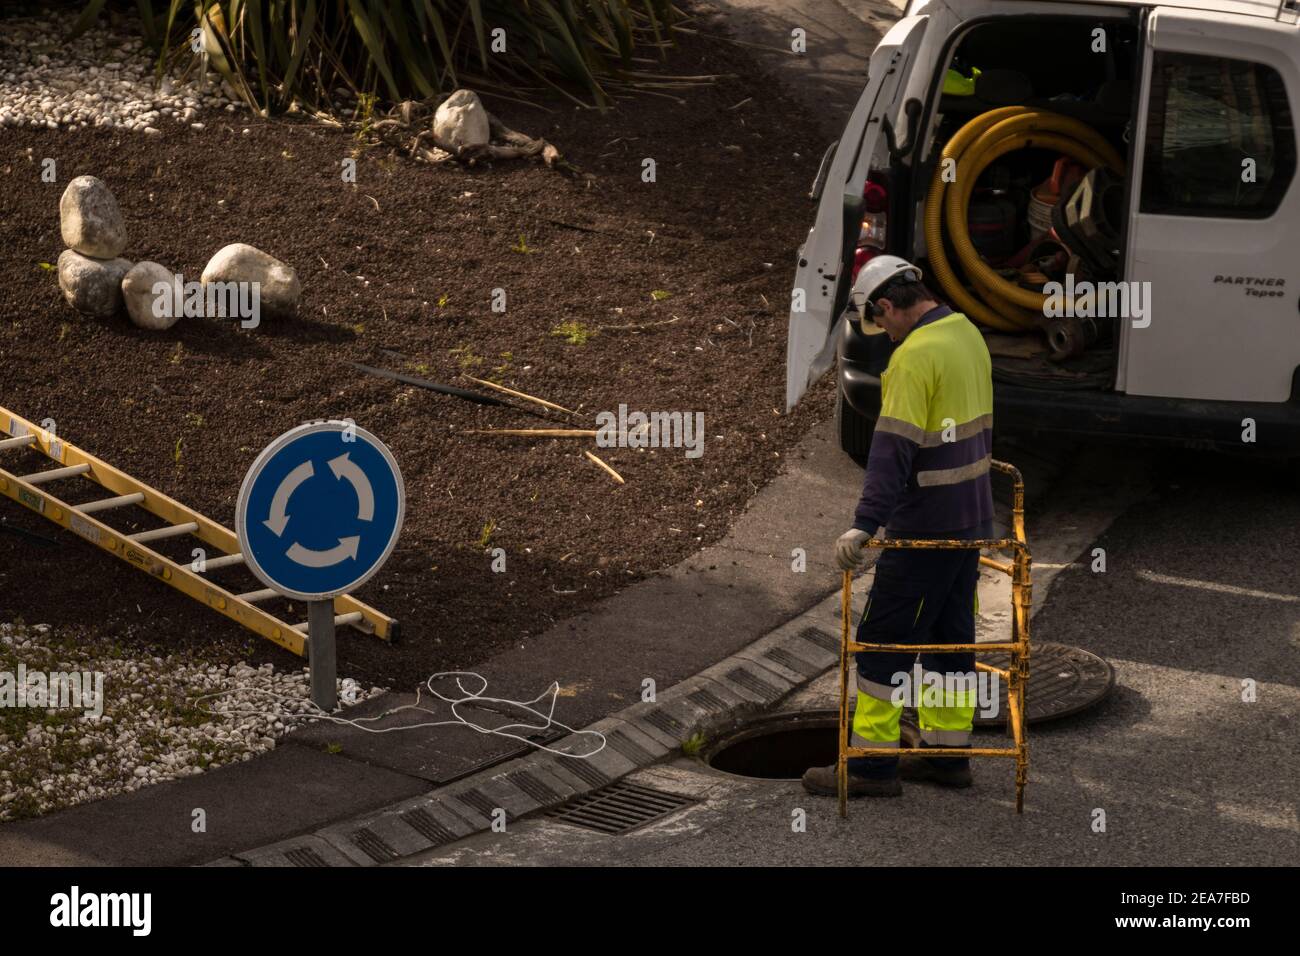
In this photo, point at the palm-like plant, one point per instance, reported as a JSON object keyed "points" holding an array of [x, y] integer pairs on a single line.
{"points": [[277, 52]]}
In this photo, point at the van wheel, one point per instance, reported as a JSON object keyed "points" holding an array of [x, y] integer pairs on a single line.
{"points": [[854, 429]]}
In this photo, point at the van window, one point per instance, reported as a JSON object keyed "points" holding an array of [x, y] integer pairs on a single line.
{"points": [[1208, 116]]}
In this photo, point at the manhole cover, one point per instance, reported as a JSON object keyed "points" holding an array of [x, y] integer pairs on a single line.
{"points": [[1063, 680]]}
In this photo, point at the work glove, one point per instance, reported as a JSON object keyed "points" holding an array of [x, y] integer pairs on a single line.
{"points": [[848, 549]]}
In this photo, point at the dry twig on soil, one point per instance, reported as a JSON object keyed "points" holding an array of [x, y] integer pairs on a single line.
{"points": [[612, 473], [524, 395], [536, 432]]}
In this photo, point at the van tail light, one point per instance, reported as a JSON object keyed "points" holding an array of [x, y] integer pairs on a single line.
{"points": [[874, 234]]}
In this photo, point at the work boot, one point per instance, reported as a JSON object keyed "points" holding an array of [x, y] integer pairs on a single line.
{"points": [[944, 771], [821, 781]]}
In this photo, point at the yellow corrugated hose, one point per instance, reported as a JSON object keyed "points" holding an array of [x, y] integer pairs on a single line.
{"points": [[1000, 304]]}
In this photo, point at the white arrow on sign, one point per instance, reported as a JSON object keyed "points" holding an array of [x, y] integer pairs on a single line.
{"points": [[346, 548], [279, 519], [345, 467]]}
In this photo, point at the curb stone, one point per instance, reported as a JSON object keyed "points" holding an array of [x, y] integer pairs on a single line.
{"points": [[640, 736]]}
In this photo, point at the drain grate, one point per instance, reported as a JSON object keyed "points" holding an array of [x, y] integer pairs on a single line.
{"points": [[373, 845], [618, 808], [423, 823], [743, 678], [304, 856]]}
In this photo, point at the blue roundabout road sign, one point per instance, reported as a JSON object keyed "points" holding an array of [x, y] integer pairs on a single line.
{"points": [[320, 510]]}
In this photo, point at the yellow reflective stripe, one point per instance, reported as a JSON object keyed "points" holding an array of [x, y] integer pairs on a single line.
{"points": [[953, 476]]}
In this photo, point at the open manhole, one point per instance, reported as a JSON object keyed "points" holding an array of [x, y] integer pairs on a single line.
{"points": [[783, 746], [1063, 680]]}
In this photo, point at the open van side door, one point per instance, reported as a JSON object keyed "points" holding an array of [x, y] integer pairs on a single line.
{"points": [[824, 257], [1214, 223]]}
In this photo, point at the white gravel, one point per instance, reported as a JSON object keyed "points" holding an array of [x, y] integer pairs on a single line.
{"points": [[156, 723], [103, 78]]}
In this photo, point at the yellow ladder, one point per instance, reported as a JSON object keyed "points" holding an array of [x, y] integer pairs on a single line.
{"points": [[179, 521], [1016, 674]]}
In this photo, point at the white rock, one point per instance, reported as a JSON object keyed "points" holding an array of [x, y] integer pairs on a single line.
{"points": [[90, 219], [279, 288], [461, 121], [92, 286], [138, 292]]}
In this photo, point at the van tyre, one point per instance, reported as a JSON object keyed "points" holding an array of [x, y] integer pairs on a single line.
{"points": [[854, 429]]}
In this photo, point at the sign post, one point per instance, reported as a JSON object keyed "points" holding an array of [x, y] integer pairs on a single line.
{"points": [[320, 655], [319, 513]]}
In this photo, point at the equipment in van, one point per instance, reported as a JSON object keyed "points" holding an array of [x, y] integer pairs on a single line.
{"points": [[1047, 194], [1087, 222], [998, 302]]}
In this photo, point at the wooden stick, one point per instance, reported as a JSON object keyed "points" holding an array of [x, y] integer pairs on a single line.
{"points": [[612, 473], [536, 432], [637, 326], [530, 398]]}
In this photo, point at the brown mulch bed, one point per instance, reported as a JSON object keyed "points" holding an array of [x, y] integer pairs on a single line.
{"points": [[398, 271]]}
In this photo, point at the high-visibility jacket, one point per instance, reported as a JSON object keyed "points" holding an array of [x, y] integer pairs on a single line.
{"points": [[928, 470]]}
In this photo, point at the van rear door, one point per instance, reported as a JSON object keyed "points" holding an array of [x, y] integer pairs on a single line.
{"points": [[1215, 223], [822, 260]]}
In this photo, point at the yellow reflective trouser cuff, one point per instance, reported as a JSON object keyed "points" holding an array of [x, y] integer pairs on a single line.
{"points": [[875, 718]]}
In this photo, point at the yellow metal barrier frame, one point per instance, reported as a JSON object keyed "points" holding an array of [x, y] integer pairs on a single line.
{"points": [[144, 558], [1016, 674]]}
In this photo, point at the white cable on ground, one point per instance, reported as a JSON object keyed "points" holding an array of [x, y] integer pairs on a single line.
{"points": [[469, 698]]}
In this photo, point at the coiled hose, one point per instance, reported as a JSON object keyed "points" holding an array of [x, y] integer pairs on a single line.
{"points": [[1000, 304]]}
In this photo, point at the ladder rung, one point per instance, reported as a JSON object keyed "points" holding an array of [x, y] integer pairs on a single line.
{"points": [[172, 531], [252, 597], [90, 507], [40, 477], [19, 442], [339, 619], [225, 561]]}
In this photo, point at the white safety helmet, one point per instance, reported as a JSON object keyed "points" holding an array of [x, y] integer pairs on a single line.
{"points": [[873, 277]]}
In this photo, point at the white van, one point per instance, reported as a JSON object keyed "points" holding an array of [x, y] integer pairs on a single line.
{"points": [[1198, 100]]}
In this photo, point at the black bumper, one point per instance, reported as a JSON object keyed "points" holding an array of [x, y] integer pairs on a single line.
{"points": [[1017, 410]]}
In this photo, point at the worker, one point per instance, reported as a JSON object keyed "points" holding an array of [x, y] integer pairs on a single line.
{"points": [[927, 477]]}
